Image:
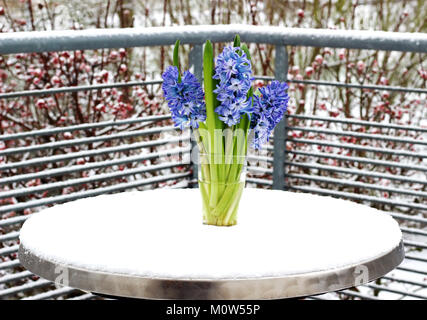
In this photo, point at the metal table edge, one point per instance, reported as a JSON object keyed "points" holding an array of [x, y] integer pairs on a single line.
{"points": [[289, 286]]}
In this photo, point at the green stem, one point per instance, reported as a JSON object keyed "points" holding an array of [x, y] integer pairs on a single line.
{"points": [[211, 117], [235, 199], [220, 183]]}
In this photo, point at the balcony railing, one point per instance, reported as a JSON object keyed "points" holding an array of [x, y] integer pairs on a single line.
{"points": [[140, 152]]}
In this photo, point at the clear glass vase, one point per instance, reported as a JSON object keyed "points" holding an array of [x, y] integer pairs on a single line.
{"points": [[221, 182]]}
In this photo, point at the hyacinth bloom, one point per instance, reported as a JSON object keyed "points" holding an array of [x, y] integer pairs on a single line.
{"points": [[233, 70], [185, 98], [221, 115], [268, 109]]}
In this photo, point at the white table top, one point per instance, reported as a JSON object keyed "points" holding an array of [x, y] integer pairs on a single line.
{"points": [[159, 235]]}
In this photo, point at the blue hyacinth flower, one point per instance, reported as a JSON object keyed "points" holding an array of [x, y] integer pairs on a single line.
{"points": [[233, 70], [269, 107], [185, 99]]}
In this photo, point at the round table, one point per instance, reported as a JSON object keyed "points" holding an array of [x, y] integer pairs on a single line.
{"points": [[152, 244]]}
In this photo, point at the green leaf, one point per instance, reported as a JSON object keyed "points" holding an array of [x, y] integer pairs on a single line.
{"points": [[210, 101], [215, 145], [176, 58], [246, 50], [209, 86], [250, 92], [212, 121], [236, 41]]}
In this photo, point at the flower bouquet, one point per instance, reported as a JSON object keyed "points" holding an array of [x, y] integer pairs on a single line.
{"points": [[224, 116]]}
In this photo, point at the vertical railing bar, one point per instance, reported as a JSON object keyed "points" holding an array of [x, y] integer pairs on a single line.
{"points": [[196, 61], [280, 132]]}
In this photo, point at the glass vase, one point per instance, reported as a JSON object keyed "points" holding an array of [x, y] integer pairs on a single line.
{"points": [[221, 183]]}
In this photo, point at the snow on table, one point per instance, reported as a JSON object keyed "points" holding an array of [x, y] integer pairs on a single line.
{"points": [[159, 234]]}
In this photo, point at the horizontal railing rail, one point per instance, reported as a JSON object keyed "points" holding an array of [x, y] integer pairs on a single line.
{"points": [[326, 143], [359, 135], [73, 142], [85, 126], [355, 172], [95, 178], [359, 122], [350, 85], [383, 163], [356, 184], [33, 93], [93, 192], [43, 41], [94, 165], [91, 153]]}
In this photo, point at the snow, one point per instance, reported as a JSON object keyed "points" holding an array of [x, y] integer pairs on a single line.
{"points": [[159, 234]]}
